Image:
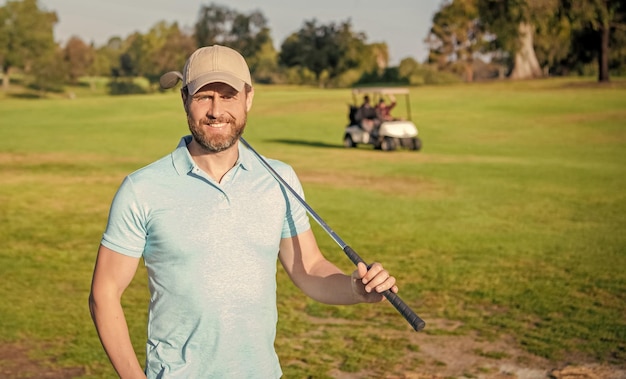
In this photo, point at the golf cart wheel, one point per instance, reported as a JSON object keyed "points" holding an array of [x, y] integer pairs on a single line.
{"points": [[417, 144], [388, 144], [348, 142]]}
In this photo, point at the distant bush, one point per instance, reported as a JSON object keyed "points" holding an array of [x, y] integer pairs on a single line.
{"points": [[128, 86], [299, 75], [409, 73]]}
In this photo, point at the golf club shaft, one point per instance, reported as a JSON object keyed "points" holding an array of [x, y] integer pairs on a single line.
{"points": [[414, 320]]}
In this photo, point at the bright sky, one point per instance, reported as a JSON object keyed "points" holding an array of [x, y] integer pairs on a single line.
{"points": [[401, 24]]}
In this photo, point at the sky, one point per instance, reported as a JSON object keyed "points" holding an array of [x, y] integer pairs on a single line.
{"points": [[401, 24]]}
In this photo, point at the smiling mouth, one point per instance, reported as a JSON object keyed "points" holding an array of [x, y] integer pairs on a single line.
{"points": [[217, 124]]}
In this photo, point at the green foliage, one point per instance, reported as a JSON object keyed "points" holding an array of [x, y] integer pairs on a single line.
{"points": [[416, 74], [456, 38], [326, 50], [164, 48], [552, 41], [598, 27], [128, 86], [509, 222], [389, 75], [300, 76], [106, 58], [246, 33], [25, 34], [49, 73]]}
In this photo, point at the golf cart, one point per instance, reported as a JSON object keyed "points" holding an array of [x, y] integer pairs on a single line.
{"points": [[366, 126]]}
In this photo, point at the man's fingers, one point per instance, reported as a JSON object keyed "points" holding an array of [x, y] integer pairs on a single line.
{"points": [[361, 269], [377, 279]]}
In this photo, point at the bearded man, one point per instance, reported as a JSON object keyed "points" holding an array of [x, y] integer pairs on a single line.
{"points": [[210, 223]]}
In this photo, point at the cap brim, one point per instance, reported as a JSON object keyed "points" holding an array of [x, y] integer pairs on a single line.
{"points": [[215, 77], [170, 79]]}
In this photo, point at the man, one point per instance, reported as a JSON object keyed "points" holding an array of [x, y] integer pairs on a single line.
{"points": [[209, 222], [367, 117]]}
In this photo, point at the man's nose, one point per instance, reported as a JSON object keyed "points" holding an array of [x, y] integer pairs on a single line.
{"points": [[215, 108]]}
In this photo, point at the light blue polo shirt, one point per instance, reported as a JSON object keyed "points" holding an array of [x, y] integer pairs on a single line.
{"points": [[210, 250]]}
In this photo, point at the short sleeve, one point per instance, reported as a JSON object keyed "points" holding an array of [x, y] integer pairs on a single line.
{"points": [[125, 232]]}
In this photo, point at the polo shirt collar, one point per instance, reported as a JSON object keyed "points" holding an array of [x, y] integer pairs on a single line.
{"points": [[183, 163]]}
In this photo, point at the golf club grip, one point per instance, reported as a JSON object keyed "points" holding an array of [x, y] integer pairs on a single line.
{"points": [[413, 319]]}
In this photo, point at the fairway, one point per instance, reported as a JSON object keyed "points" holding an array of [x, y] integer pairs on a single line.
{"points": [[506, 232]]}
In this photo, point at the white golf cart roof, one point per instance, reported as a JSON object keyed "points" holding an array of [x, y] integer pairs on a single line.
{"points": [[381, 90]]}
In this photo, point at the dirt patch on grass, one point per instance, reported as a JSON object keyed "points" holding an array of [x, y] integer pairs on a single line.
{"points": [[16, 362], [469, 356], [440, 357]]}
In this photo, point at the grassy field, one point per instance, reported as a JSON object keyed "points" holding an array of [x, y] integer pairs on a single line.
{"points": [[511, 221]]}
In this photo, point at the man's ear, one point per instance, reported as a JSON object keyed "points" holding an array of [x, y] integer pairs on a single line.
{"points": [[249, 98]]}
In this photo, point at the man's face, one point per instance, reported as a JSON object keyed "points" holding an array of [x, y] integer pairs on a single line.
{"points": [[217, 115]]}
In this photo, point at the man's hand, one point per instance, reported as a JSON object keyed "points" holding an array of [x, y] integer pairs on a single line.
{"points": [[368, 285]]}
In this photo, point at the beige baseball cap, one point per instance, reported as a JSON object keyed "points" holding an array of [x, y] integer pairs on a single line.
{"points": [[211, 64]]}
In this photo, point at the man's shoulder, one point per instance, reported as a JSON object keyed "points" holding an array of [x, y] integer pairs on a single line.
{"points": [[278, 165], [159, 168], [282, 168], [175, 163]]}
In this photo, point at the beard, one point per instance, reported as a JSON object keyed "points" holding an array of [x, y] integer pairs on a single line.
{"points": [[217, 142]]}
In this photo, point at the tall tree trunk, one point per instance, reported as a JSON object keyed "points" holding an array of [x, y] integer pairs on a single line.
{"points": [[603, 54], [5, 78], [526, 65], [469, 72]]}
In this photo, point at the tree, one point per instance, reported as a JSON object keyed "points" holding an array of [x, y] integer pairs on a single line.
{"points": [[107, 57], [326, 50], [78, 57], [49, 72], [514, 24], [249, 33], [597, 21], [552, 43], [26, 34], [164, 48], [212, 26], [246, 33], [456, 38], [172, 53], [380, 54], [264, 65], [134, 58]]}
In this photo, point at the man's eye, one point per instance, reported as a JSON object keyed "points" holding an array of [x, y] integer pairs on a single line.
{"points": [[201, 98]]}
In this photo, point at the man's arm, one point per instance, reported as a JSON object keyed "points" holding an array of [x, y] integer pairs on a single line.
{"points": [[323, 281], [112, 275]]}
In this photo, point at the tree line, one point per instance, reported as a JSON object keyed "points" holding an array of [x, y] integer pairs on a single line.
{"points": [[530, 38], [469, 39]]}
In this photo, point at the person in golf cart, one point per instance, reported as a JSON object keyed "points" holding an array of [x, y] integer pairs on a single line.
{"points": [[383, 111], [210, 223], [367, 116]]}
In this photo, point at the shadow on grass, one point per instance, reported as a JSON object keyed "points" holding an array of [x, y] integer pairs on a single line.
{"points": [[306, 143], [25, 96]]}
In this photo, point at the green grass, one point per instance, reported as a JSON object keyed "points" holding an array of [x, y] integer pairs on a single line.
{"points": [[511, 220]]}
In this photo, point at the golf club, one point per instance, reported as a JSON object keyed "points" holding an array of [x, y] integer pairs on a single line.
{"points": [[414, 320]]}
